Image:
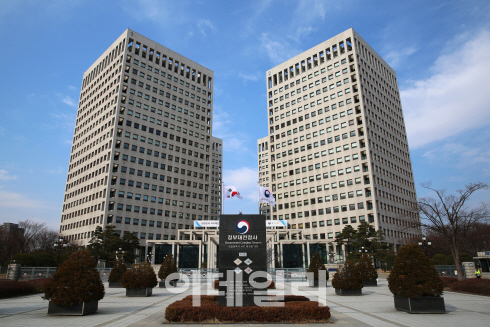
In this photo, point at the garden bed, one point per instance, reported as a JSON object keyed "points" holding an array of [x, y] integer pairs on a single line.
{"points": [[12, 288], [471, 285], [296, 309]]}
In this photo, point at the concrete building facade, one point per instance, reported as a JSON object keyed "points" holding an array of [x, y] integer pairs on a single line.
{"points": [[143, 156], [337, 147]]}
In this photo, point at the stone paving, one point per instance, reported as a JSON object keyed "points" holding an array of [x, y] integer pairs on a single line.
{"points": [[374, 308]]}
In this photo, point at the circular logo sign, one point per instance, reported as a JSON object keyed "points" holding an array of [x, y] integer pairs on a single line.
{"points": [[242, 227], [267, 194]]}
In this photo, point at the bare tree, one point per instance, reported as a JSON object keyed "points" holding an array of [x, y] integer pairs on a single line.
{"points": [[32, 231], [44, 242], [449, 216]]}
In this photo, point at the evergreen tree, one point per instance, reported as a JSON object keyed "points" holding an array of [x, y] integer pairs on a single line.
{"points": [[365, 236], [140, 275], [104, 244], [346, 237], [316, 264], [76, 281], [366, 269], [347, 277], [413, 276], [167, 267], [118, 270]]}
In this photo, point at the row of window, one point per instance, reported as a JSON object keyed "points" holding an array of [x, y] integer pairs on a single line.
{"points": [[169, 76]]}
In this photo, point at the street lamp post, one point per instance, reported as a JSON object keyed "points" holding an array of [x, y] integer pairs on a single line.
{"points": [[425, 244], [120, 252], [59, 245], [363, 250], [149, 257]]}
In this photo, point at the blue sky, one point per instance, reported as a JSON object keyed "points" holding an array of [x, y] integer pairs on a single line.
{"points": [[439, 49]]}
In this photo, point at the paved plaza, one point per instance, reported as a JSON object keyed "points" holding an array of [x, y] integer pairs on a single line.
{"points": [[374, 308]]}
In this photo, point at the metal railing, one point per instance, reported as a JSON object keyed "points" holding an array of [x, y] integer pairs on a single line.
{"points": [[193, 275], [449, 271]]}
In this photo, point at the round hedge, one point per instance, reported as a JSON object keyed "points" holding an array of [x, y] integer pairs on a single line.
{"points": [[316, 264], [76, 281], [117, 271], [167, 267], [139, 276], [348, 277], [366, 269], [413, 276]]}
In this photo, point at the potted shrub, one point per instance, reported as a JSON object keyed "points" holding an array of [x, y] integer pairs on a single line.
{"points": [[415, 283], [367, 271], [168, 267], [348, 280], [116, 273], [316, 264], [75, 288], [139, 280]]}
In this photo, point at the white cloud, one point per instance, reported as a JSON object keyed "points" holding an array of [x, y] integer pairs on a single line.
{"points": [[249, 77], [71, 87], [69, 101], [233, 140], [63, 120], [395, 57], [278, 49], [4, 175], [244, 179], [462, 156], [204, 24], [455, 98], [16, 200]]}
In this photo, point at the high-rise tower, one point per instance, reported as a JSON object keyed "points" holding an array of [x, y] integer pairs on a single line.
{"points": [[143, 156], [337, 147]]}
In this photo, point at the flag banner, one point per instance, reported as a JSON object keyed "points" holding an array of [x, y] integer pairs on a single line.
{"points": [[276, 223], [266, 196], [206, 223], [231, 192]]}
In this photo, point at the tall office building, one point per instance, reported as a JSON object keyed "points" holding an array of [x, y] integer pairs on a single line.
{"points": [[143, 156], [337, 151]]}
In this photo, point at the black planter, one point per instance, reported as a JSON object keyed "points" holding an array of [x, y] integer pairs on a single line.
{"points": [[315, 283], [371, 282], [115, 285], [172, 283], [426, 304], [80, 309], [139, 292], [354, 292]]}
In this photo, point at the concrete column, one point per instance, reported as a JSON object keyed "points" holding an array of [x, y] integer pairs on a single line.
{"points": [[200, 255]]}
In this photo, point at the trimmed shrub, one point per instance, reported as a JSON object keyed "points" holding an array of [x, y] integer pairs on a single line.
{"points": [[24, 259], [11, 288], [438, 259], [471, 285], [44, 259], [448, 280], [463, 257], [76, 281], [413, 276], [366, 269], [210, 311], [117, 271], [316, 264], [348, 277], [271, 285], [167, 267], [140, 276]]}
